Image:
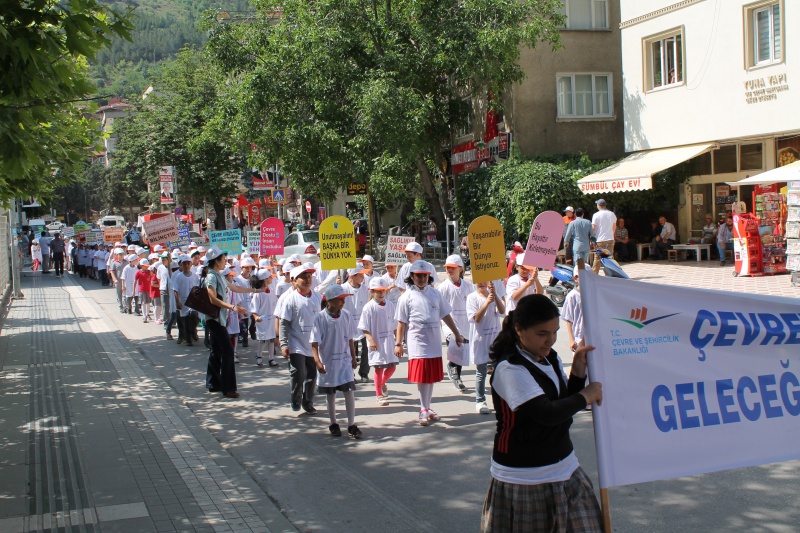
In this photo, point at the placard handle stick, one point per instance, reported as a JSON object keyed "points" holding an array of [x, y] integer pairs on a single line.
{"points": [[606, 510]]}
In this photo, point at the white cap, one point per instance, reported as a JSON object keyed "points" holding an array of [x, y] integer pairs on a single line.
{"points": [[192, 244], [132, 257], [420, 266], [174, 264], [226, 271], [131, 247], [213, 253], [176, 250], [359, 269], [158, 248], [368, 258], [519, 260], [118, 251], [153, 256], [201, 249], [263, 263], [293, 258], [140, 250], [518, 244], [335, 291], [286, 268], [305, 267], [281, 261], [154, 266], [454, 260], [184, 258], [247, 262], [144, 262], [378, 283], [414, 246], [263, 274], [118, 243], [569, 208]]}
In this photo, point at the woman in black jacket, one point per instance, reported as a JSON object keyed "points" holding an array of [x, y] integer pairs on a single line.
{"points": [[537, 483]]}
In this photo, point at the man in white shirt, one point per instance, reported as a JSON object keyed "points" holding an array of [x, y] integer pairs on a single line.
{"points": [[664, 240], [604, 222]]}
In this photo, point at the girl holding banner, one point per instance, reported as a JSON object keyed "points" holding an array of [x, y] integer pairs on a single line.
{"points": [[537, 483]]}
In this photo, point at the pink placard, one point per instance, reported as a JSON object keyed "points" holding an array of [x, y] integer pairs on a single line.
{"points": [[544, 240], [272, 236]]}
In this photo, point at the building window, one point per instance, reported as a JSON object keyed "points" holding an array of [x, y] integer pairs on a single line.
{"points": [[664, 53], [584, 95], [586, 14], [738, 158], [764, 33], [466, 126]]}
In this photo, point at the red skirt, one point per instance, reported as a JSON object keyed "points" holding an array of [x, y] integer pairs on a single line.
{"points": [[427, 370]]}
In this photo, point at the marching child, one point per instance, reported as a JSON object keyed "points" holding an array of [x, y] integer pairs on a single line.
{"points": [[262, 307], [155, 292], [455, 290], [485, 310], [378, 324], [233, 318], [335, 356], [143, 278]]}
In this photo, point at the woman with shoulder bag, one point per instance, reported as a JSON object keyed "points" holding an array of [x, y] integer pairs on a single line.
{"points": [[221, 373]]}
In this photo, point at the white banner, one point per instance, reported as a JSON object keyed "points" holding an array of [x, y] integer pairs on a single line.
{"points": [[694, 380], [395, 249]]}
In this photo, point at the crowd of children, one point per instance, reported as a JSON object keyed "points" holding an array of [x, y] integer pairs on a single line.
{"points": [[333, 327]]}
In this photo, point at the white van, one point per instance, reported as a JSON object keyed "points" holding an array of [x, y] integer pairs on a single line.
{"points": [[112, 221]]}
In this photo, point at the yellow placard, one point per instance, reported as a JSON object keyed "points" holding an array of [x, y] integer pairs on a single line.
{"points": [[337, 243], [487, 249]]}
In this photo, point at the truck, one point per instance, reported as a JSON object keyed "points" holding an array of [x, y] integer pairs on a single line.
{"points": [[112, 221]]}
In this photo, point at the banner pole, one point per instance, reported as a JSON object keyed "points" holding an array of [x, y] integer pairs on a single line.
{"points": [[605, 507]]}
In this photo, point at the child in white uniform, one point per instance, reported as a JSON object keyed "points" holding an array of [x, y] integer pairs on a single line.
{"points": [[262, 307], [524, 283], [233, 318], [455, 290], [485, 309], [335, 356], [378, 324]]}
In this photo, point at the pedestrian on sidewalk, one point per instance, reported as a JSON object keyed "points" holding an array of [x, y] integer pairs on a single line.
{"points": [[455, 290], [378, 325], [116, 268], [143, 278], [57, 252], [580, 237], [101, 257], [44, 242], [485, 310], [419, 311], [537, 483], [182, 283], [36, 255], [297, 312], [164, 273], [262, 308], [334, 352], [604, 222], [221, 371]]}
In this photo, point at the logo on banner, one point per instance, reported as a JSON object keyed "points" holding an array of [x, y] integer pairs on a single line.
{"points": [[639, 318]]}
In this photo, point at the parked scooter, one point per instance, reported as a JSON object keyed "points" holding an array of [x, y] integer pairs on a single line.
{"points": [[561, 282], [610, 267]]}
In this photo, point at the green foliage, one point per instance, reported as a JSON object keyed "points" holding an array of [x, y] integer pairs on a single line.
{"points": [[169, 129], [349, 90], [44, 48], [516, 191]]}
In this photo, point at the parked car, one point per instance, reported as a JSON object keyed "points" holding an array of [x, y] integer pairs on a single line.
{"points": [[304, 243], [201, 240]]}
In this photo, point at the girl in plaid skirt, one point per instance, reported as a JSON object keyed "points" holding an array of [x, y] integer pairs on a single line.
{"points": [[537, 483]]}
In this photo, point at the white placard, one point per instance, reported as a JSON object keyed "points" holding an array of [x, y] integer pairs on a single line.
{"points": [[395, 249], [694, 380]]}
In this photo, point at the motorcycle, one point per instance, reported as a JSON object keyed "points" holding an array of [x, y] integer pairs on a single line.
{"points": [[561, 282]]}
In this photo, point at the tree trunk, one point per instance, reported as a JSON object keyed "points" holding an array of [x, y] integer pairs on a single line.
{"points": [[219, 208], [432, 198]]}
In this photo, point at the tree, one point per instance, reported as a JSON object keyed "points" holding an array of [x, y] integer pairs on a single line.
{"points": [[367, 91], [44, 48], [170, 129]]}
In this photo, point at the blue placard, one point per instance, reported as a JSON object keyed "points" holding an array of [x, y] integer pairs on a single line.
{"points": [[183, 238], [228, 240]]}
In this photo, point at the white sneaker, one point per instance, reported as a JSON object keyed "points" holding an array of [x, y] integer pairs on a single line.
{"points": [[482, 408], [423, 417], [259, 361], [235, 358], [382, 401]]}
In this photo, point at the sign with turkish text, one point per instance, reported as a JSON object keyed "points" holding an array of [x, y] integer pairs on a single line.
{"points": [[115, 234], [68, 231], [93, 237], [262, 181], [396, 249], [160, 230], [227, 240], [254, 242], [544, 240], [182, 240], [272, 235], [80, 226], [694, 380], [355, 189], [619, 185], [337, 243], [464, 158], [487, 249]]}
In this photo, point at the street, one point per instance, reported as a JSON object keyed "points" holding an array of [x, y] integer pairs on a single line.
{"points": [[264, 458]]}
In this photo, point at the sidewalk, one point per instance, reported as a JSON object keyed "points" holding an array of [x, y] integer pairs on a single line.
{"points": [[93, 438]]}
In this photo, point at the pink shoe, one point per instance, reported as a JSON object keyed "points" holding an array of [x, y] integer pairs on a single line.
{"points": [[432, 415], [423, 417]]}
